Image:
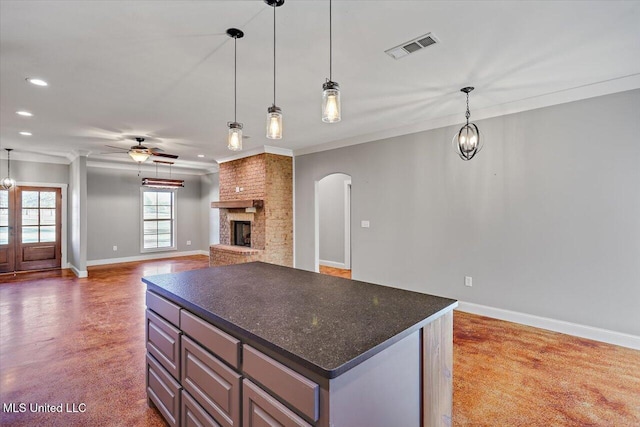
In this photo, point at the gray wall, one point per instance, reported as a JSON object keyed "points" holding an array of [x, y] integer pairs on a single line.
{"points": [[113, 203], [546, 219], [77, 219], [331, 194], [211, 217], [36, 172]]}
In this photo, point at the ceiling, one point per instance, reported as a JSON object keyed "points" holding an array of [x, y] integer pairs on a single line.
{"points": [[164, 69]]}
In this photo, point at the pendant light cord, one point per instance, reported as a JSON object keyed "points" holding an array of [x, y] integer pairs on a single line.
{"points": [[330, 44], [274, 54], [235, 79]]}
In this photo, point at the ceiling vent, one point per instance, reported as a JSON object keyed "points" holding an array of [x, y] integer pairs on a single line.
{"points": [[412, 46]]}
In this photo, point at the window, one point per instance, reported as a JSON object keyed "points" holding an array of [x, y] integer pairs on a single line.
{"points": [[4, 217], [158, 220], [38, 216]]}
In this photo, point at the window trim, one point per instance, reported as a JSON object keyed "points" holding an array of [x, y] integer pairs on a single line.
{"points": [[174, 219]]}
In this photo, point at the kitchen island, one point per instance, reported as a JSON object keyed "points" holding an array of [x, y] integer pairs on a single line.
{"points": [[258, 344]]}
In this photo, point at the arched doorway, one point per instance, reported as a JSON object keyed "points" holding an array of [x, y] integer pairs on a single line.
{"points": [[333, 225]]}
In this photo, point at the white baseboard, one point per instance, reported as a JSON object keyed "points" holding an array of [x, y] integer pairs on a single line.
{"points": [[589, 332], [145, 257], [81, 274], [332, 264]]}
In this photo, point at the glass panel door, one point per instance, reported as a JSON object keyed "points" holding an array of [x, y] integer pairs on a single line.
{"points": [[7, 244], [39, 225]]}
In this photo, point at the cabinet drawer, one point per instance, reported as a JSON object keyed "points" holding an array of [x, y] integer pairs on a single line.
{"points": [[302, 393], [192, 414], [163, 391], [260, 409], [212, 384], [164, 308], [213, 339], [163, 342]]}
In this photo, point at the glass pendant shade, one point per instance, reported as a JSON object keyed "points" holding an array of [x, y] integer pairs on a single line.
{"points": [[234, 139], [274, 122], [467, 141], [139, 156], [331, 102], [234, 142], [8, 183]]}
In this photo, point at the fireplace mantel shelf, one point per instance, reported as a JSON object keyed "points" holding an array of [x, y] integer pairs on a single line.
{"points": [[245, 250], [237, 204]]}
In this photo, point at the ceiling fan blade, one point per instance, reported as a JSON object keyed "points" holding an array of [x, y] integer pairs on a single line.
{"points": [[117, 148], [168, 156]]}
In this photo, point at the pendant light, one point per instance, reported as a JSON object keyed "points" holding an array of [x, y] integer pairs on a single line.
{"points": [[330, 89], [234, 141], [467, 140], [8, 183], [274, 113], [162, 182]]}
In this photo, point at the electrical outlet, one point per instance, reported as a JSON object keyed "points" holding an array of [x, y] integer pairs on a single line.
{"points": [[364, 224], [468, 281], [115, 248], [237, 189], [188, 242]]}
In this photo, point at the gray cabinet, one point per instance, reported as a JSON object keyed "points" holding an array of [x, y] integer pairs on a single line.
{"points": [[192, 414], [263, 410], [163, 391], [212, 384], [200, 375], [163, 343], [196, 375]]}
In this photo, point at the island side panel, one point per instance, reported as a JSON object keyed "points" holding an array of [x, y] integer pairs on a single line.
{"points": [[382, 391], [438, 371]]}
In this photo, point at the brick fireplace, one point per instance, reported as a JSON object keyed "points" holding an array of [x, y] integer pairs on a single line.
{"points": [[256, 191]]}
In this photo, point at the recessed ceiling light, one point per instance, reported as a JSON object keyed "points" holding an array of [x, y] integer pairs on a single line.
{"points": [[36, 81], [24, 113], [26, 133], [200, 155]]}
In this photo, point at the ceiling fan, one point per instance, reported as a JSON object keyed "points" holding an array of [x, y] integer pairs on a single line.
{"points": [[139, 153]]}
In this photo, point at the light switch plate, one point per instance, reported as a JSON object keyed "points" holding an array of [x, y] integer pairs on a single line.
{"points": [[364, 224]]}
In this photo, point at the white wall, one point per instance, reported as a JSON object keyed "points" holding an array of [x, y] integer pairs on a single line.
{"points": [[331, 194], [546, 219]]}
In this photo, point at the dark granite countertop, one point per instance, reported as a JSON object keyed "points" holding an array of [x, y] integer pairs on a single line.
{"points": [[324, 323]]}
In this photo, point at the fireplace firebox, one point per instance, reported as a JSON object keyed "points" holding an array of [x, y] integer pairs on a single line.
{"points": [[241, 233]]}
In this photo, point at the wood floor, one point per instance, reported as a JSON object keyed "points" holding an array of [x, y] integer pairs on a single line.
{"points": [[338, 272], [71, 341]]}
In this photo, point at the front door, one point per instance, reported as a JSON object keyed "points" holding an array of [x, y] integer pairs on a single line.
{"points": [[7, 230], [30, 228]]}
